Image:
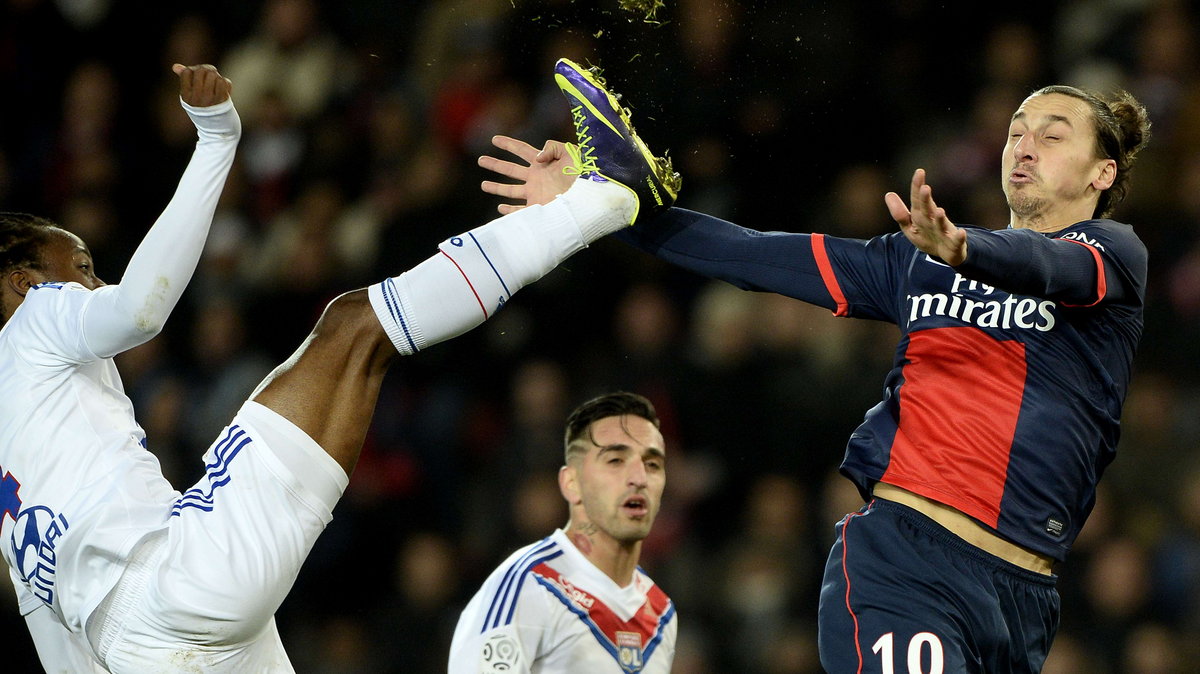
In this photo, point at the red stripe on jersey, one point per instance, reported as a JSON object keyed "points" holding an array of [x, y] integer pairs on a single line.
{"points": [[937, 455], [1101, 283], [469, 284], [827, 275], [644, 622]]}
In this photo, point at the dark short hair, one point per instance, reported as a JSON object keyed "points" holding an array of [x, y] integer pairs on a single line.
{"points": [[22, 237], [1122, 130], [619, 403]]}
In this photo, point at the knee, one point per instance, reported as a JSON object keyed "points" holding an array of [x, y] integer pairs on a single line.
{"points": [[348, 322]]}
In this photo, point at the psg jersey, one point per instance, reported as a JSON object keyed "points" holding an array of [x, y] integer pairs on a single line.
{"points": [[1005, 394]]}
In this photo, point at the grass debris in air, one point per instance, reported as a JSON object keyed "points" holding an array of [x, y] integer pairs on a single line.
{"points": [[646, 7]]}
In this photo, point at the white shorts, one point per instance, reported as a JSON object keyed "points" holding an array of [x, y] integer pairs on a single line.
{"points": [[201, 594]]}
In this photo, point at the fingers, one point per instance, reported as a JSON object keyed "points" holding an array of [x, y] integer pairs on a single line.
{"points": [[504, 168], [201, 85], [520, 148], [552, 151], [503, 189], [897, 208], [921, 196]]}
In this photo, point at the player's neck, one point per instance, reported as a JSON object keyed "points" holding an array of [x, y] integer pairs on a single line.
{"points": [[615, 559], [1054, 219]]}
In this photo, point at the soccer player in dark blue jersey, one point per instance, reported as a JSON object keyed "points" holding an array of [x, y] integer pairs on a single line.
{"points": [[1002, 408]]}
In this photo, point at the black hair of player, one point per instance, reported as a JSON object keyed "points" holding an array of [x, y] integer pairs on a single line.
{"points": [[616, 404]]}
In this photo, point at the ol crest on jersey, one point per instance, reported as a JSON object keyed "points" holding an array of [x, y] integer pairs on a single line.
{"points": [[629, 651]]}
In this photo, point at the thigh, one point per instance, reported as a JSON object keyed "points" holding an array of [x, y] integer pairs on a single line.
{"points": [[237, 539], [883, 608]]}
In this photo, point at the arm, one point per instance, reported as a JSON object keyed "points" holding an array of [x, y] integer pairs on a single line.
{"points": [[1025, 262], [781, 262], [120, 317], [749, 259], [847, 276], [1019, 261], [486, 642]]}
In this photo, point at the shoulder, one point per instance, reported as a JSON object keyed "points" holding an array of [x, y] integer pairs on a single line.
{"points": [[46, 301], [1112, 238], [56, 293], [508, 581], [60, 285]]}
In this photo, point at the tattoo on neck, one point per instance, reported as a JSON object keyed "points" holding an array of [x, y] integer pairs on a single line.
{"points": [[582, 537]]}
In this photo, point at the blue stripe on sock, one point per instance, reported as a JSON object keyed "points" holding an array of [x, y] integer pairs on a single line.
{"points": [[489, 261], [390, 295]]}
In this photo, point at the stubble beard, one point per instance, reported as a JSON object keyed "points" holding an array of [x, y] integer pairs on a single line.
{"points": [[1026, 206]]}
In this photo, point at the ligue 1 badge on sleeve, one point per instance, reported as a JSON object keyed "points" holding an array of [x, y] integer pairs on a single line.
{"points": [[500, 654], [629, 650]]}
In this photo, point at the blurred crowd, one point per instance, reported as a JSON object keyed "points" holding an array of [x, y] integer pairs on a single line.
{"points": [[362, 123]]}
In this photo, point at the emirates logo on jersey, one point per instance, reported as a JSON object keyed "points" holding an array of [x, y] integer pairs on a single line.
{"points": [[1026, 313]]}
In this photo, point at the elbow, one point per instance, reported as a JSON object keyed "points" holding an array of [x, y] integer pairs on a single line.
{"points": [[147, 323], [149, 326], [151, 316]]}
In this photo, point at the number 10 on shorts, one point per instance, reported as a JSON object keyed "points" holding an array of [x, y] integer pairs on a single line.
{"points": [[916, 647]]}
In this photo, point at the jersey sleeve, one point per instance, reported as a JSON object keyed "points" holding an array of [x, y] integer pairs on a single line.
{"points": [[135, 310], [499, 634], [1094, 262], [52, 332], [850, 277]]}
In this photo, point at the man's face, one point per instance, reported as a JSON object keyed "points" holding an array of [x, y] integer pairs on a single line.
{"points": [[1050, 158], [66, 258], [622, 476]]}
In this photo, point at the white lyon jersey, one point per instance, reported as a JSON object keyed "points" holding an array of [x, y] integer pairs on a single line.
{"points": [[77, 487], [548, 610]]}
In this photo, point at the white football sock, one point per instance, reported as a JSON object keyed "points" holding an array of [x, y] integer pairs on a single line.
{"points": [[475, 273]]}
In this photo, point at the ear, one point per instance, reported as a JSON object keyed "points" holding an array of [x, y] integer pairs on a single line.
{"points": [[1107, 175], [568, 485], [19, 281]]}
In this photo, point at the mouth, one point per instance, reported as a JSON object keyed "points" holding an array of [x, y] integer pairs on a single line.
{"points": [[636, 506], [1020, 176]]}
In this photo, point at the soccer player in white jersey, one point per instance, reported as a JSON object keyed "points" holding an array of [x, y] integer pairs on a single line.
{"points": [[576, 601], [114, 569]]}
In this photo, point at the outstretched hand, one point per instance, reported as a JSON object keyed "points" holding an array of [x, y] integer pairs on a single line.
{"points": [[540, 179], [927, 226], [201, 86]]}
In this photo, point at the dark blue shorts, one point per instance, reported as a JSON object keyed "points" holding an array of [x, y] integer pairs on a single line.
{"points": [[902, 595]]}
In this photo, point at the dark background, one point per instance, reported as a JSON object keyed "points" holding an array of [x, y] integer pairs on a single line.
{"points": [[363, 120]]}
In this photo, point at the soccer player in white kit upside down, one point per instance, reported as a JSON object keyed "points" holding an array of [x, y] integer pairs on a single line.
{"points": [[576, 601], [114, 569]]}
